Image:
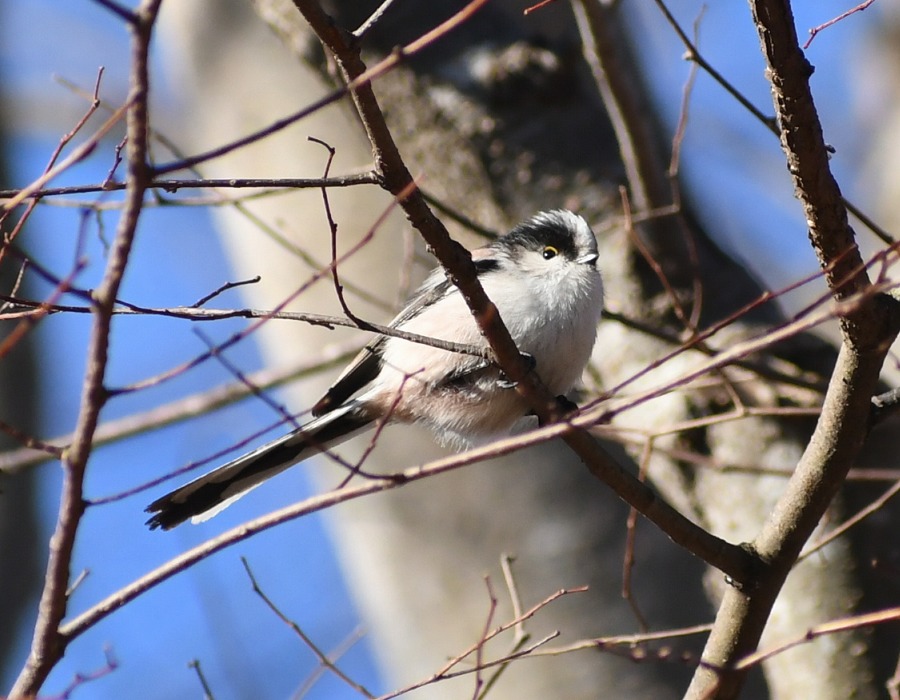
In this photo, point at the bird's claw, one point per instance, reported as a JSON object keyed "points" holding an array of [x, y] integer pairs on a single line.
{"points": [[564, 408], [505, 383]]}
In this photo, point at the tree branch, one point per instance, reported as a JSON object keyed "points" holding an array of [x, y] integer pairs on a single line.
{"points": [[287, 183], [730, 558], [313, 504], [868, 328], [49, 644]]}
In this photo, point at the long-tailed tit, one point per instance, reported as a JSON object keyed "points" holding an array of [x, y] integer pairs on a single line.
{"points": [[543, 279]]}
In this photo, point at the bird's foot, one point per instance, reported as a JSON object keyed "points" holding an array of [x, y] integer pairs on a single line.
{"points": [[504, 383]]}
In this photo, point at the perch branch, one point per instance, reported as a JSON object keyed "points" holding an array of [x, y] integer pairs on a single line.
{"points": [[457, 262]]}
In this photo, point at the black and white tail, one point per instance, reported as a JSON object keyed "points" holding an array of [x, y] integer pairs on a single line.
{"points": [[209, 494]]}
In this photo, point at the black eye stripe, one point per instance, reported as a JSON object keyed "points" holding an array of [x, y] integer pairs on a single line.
{"points": [[486, 265], [539, 235]]}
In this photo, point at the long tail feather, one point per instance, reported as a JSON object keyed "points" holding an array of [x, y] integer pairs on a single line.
{"points": [[212, 492]]}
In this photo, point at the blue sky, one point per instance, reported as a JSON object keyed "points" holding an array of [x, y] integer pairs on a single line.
{"points": [[239, 644]]}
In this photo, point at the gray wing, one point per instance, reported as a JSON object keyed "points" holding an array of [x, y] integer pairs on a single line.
{"points": [[367, 364], [363, 370]]}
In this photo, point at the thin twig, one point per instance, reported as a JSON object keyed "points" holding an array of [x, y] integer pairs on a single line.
{"points": [[42, 310], [80, 679], [117, 161], [333, 228], [813, 310], [626, 640], [224, 288], [366, 176], [537, 6], [335, 655], [77, 155], [833, 627], [324, 661], [844, 15], [372, 20], [238, 374], [686, 91], [638, 242], [9, 237], [253, 327], [506, 561], [204, 684], [520, 636], [48, 644], [885, 405], [630, 537], [117, 9], [234, 183], [380, 424], [202, 403], [360, 82], [447, 672], [455, 215], [485, 632], [313, 504], [864, 513], [192, 313], [771, 123], [42, 450], [601, 412]]}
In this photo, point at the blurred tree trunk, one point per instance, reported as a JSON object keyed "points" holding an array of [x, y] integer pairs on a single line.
{"points": [[500, 120]]}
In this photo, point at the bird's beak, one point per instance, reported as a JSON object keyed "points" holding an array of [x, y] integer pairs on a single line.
{"points": [[588, 259]]}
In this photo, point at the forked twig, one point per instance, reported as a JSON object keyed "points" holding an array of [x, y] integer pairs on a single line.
{"points": [[844, 15], [49, 643], [324, 661]]}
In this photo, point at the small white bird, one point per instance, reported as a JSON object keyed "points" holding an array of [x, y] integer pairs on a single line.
{"points": [[543, 279]]}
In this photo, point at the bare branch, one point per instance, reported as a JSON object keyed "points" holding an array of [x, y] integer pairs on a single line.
{"points": [[361, 81], [78, 155], [314, 504], [844, 15], [461, 271], [320, 655], [771, 123], [864, 513], [199, 404], [233, 183], [447, 671], [201, 677], [868, 328], [117, 9], [833, 627], [372, 20], [48, 643]]}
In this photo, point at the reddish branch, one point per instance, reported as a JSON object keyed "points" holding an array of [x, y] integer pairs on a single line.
{"points": [[49, 643], [844, 15], [351, 180], [457, 262], [693, 54], [868, 325]]}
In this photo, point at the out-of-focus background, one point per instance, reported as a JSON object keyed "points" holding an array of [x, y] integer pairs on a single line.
{"points": [[51, 52]]}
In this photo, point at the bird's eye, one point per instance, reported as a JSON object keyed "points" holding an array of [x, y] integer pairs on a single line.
{"points": [[549, 252]]}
